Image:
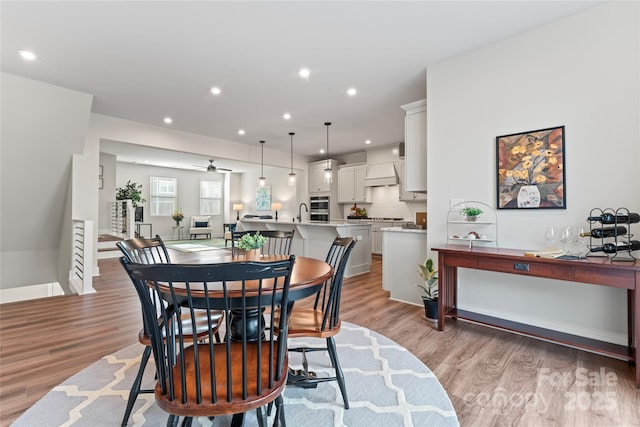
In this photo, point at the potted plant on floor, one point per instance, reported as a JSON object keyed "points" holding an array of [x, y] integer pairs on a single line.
{"points": [[251, 243], [430, 288], [471, 212]]}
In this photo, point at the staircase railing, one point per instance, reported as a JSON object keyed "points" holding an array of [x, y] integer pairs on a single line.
{"points": [[81, 273], [123, 219]]}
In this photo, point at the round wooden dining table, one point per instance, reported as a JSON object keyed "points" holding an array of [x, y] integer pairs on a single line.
{"points": [[307, 277]]}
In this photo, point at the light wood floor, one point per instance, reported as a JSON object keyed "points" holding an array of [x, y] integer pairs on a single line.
{"points": [[493, 378]]}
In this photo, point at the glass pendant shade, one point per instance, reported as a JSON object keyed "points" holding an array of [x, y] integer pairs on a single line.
{"points": [[328, 173], [292, 175]]}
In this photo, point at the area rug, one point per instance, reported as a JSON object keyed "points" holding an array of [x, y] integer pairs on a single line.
{"points": [[196, 245], [386, 386]]}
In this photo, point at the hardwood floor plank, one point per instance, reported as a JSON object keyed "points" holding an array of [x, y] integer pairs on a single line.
{"points": [[43, 342]]}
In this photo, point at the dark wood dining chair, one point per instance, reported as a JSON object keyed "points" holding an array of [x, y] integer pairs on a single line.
{"points": [[197, 377], [323, 320], [278, 242], [153, 251]]}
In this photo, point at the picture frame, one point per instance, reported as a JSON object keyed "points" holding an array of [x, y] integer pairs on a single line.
{"points": [[263, 198], [530, 170]]}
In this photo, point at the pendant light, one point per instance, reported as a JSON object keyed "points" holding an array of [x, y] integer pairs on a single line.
{"points": [[262, 180], [292, 175], [328, 172]]}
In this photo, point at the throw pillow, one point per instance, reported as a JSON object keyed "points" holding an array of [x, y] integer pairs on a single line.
{"points": [[201, 223]]}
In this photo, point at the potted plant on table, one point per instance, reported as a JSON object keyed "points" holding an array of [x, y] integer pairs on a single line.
{"points": [[251, 243], [471, 212], [430, 288]]}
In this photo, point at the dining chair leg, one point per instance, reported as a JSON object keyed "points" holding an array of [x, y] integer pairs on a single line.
{"points": [[333, 354], [135, 388], [237, 420], [172, 421], [262, 417], [187, 421], [279, 420]]}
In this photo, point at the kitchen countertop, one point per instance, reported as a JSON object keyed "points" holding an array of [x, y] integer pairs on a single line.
{"points": [[404, 230]]}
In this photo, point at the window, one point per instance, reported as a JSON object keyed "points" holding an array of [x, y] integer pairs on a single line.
{"points": [[210, 197], [163, 195]]}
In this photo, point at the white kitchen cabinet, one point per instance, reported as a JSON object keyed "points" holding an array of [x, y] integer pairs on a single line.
{"points": [[316, 176], [376, 237], [377, 234], [351, 188], [415, 145], [403, 194]]}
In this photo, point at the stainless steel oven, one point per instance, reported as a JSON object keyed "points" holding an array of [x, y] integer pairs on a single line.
{"points": [[319, 208]]}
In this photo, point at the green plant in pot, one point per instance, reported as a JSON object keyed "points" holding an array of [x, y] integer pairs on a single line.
{"points": [[430, 288], [251, 243], [132, 191], [471, 212]]}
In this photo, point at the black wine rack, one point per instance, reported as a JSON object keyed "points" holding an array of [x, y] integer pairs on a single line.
{"points": [[617, 239]]}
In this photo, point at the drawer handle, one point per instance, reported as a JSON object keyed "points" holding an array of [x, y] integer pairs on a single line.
{"points": [[521, 266]]}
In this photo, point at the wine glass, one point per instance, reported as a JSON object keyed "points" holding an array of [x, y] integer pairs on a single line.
{"points": [[550, 236], [582, 242], [567, 236]]}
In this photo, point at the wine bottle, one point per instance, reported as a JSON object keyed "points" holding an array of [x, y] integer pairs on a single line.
{"points": [[601, 233], [609, 218], [612, 248]]}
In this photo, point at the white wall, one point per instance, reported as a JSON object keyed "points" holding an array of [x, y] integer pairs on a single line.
{"points": [[43, 126], [580, 72]]}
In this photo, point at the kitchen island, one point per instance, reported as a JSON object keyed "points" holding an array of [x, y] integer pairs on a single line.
{"points": [[402, 250], [313, 239]]}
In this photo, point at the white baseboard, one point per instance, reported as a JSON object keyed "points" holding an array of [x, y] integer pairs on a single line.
{"points": [[24, 293]]}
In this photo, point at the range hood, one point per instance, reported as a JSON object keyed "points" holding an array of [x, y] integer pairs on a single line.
{"points": [[379, 174]]}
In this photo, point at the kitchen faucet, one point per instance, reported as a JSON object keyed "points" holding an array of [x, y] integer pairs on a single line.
{"points": [[300, 210]]}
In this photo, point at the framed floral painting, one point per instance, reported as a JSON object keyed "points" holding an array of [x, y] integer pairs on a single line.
{"points": [[530, 170]]}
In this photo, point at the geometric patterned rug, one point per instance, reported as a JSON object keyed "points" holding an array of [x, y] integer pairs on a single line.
{"points": [[386, 386]]}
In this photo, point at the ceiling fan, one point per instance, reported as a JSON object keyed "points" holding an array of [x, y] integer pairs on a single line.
{"points": [[213, 168]]}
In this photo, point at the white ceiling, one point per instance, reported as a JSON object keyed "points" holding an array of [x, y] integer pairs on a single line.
{"points": [[146, 60]]}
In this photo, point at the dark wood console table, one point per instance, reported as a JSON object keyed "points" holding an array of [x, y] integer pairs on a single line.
{"points": [[595, 271]]}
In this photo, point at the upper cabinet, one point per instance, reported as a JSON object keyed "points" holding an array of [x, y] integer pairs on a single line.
{"points": [[351, 188], [403, 194], [317, 183], [415, 145]]}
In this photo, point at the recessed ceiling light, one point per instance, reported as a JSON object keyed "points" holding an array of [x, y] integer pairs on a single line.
{"points": [[368, 141], [168, 120], [352, 91], [322, 151], [216, 90], [304, 73], [25, 54], [286, 116], [240, 131]]}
